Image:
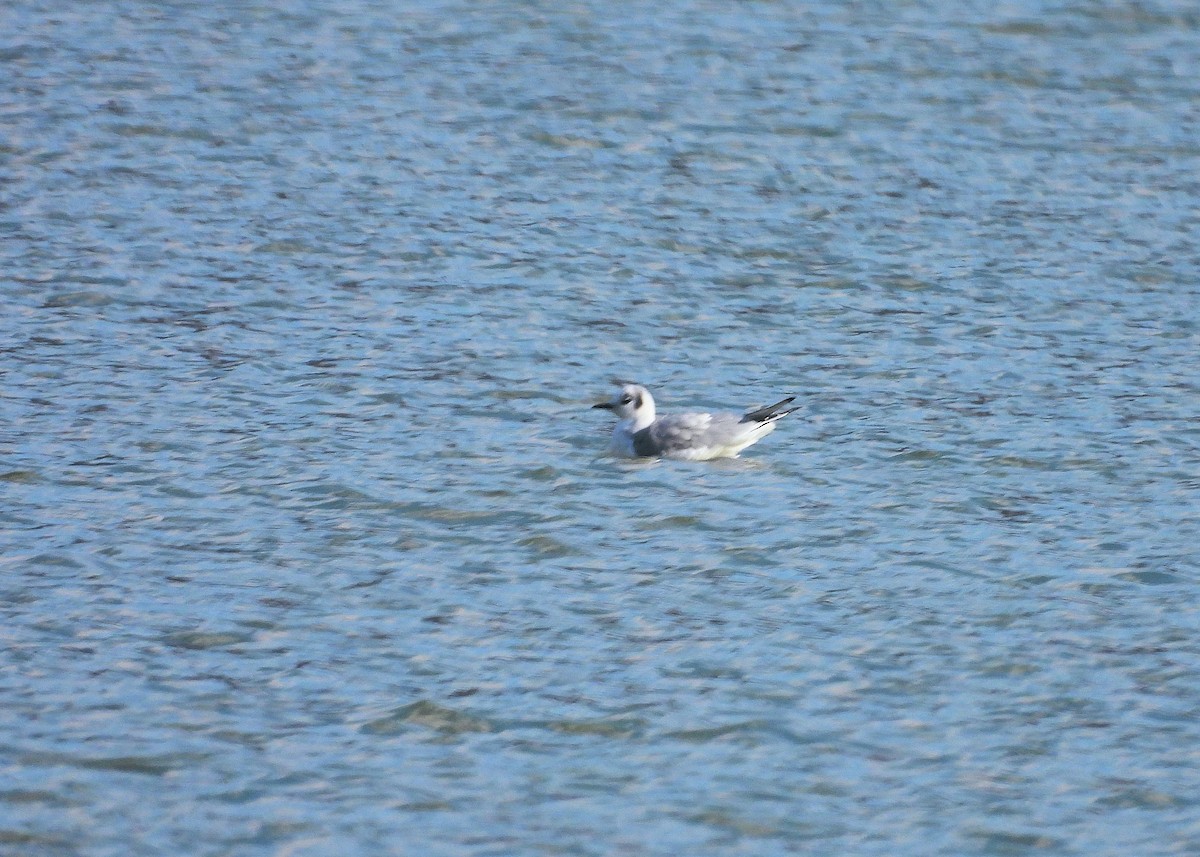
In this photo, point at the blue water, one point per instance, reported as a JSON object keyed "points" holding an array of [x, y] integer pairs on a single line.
{"points": [[310, 544]]}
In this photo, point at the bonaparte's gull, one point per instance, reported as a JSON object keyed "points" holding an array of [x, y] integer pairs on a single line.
{"points": [[696, 437]]}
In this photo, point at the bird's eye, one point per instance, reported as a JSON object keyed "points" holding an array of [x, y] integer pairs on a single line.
{"points": [[625, 400]]}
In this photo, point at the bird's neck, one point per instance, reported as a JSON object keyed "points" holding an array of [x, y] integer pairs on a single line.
{"points": [[641, 419]]}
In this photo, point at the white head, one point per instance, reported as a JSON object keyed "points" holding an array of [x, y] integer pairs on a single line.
{"points": [[633, 404]]}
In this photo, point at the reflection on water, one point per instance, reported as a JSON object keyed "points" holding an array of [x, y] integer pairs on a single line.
{"points": [[310, 539]]}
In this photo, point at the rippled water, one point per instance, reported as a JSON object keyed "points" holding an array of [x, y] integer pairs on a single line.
{"points": [[310, 542]]}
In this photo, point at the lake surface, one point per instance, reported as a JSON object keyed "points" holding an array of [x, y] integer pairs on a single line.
{"points": [[309, 540]]}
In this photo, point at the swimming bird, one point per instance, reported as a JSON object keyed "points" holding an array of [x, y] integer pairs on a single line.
{"points": [[641, 433]]}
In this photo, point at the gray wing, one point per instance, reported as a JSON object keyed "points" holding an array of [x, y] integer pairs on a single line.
{"points": [[679, 432]]}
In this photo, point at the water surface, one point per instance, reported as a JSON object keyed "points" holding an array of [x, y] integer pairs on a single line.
{"points": [[310, 543]]}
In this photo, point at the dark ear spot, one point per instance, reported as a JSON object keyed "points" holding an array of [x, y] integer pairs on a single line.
{"points": [[637, 403]]}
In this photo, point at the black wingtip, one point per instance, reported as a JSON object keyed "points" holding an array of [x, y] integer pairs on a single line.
{"points": [[775, 411]]}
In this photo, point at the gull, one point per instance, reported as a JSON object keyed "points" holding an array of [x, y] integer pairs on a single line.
{"points": [[694, 437]]}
